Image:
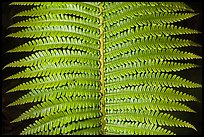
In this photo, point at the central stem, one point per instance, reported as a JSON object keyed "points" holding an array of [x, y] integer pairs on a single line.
{"points": [[102, 100]]}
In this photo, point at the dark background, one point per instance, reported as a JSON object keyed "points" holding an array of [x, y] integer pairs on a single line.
{"points": [[10, 113]]}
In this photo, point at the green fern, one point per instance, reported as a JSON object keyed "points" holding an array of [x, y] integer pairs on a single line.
{"points": [[103, 67]]}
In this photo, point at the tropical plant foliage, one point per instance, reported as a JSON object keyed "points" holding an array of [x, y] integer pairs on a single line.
{"points": [[103, 67]]}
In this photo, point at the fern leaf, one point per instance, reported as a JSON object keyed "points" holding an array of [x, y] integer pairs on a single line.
{"points": [[113, 7], [54, 106], [54, 93], [148, 92], [54, 56], [148, 66], [58, 68], [69, 128], [153, 79], [136, 129], [30, 3], [56, 31], [89, 5], [56, 42], [146, 31], [57, 80], [62, 9], [148, 117], [146, 104], [57, 20], [144, 55], [138, 10], [102, 68], [85, 4], [147, 43], [61, 119], [85, 131], [154, 19]]}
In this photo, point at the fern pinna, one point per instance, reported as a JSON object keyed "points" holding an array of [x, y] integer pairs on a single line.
{"points": [[103, 67]]}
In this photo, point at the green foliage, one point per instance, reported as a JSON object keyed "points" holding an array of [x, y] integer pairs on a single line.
{"points": [[153, 117], [103, 68]]}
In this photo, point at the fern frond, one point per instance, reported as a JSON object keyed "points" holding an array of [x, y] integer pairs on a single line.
{"points": [[57, 42], [60, 9], [55, 56], [117, 6], [85, 131], [112, 8], [102, 67], [154, 19], [146, 31], [147, 66], [153, 79], [57, 68], [147, 43], [54, 93], [56, 106], [145, 55], [68, 128], [138, 10], [148, 117], [57, 20], [53, 31], [148, 92], [57, 80], [60, 119], [146, 104], [90, 5], [136, 128], [30, 3]]}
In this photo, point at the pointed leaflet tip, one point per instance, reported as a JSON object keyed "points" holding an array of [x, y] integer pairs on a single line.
{"points": [[9, 105], [12, 3], [6, 66], [12, 90], [9, 35], [9, 27]]}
